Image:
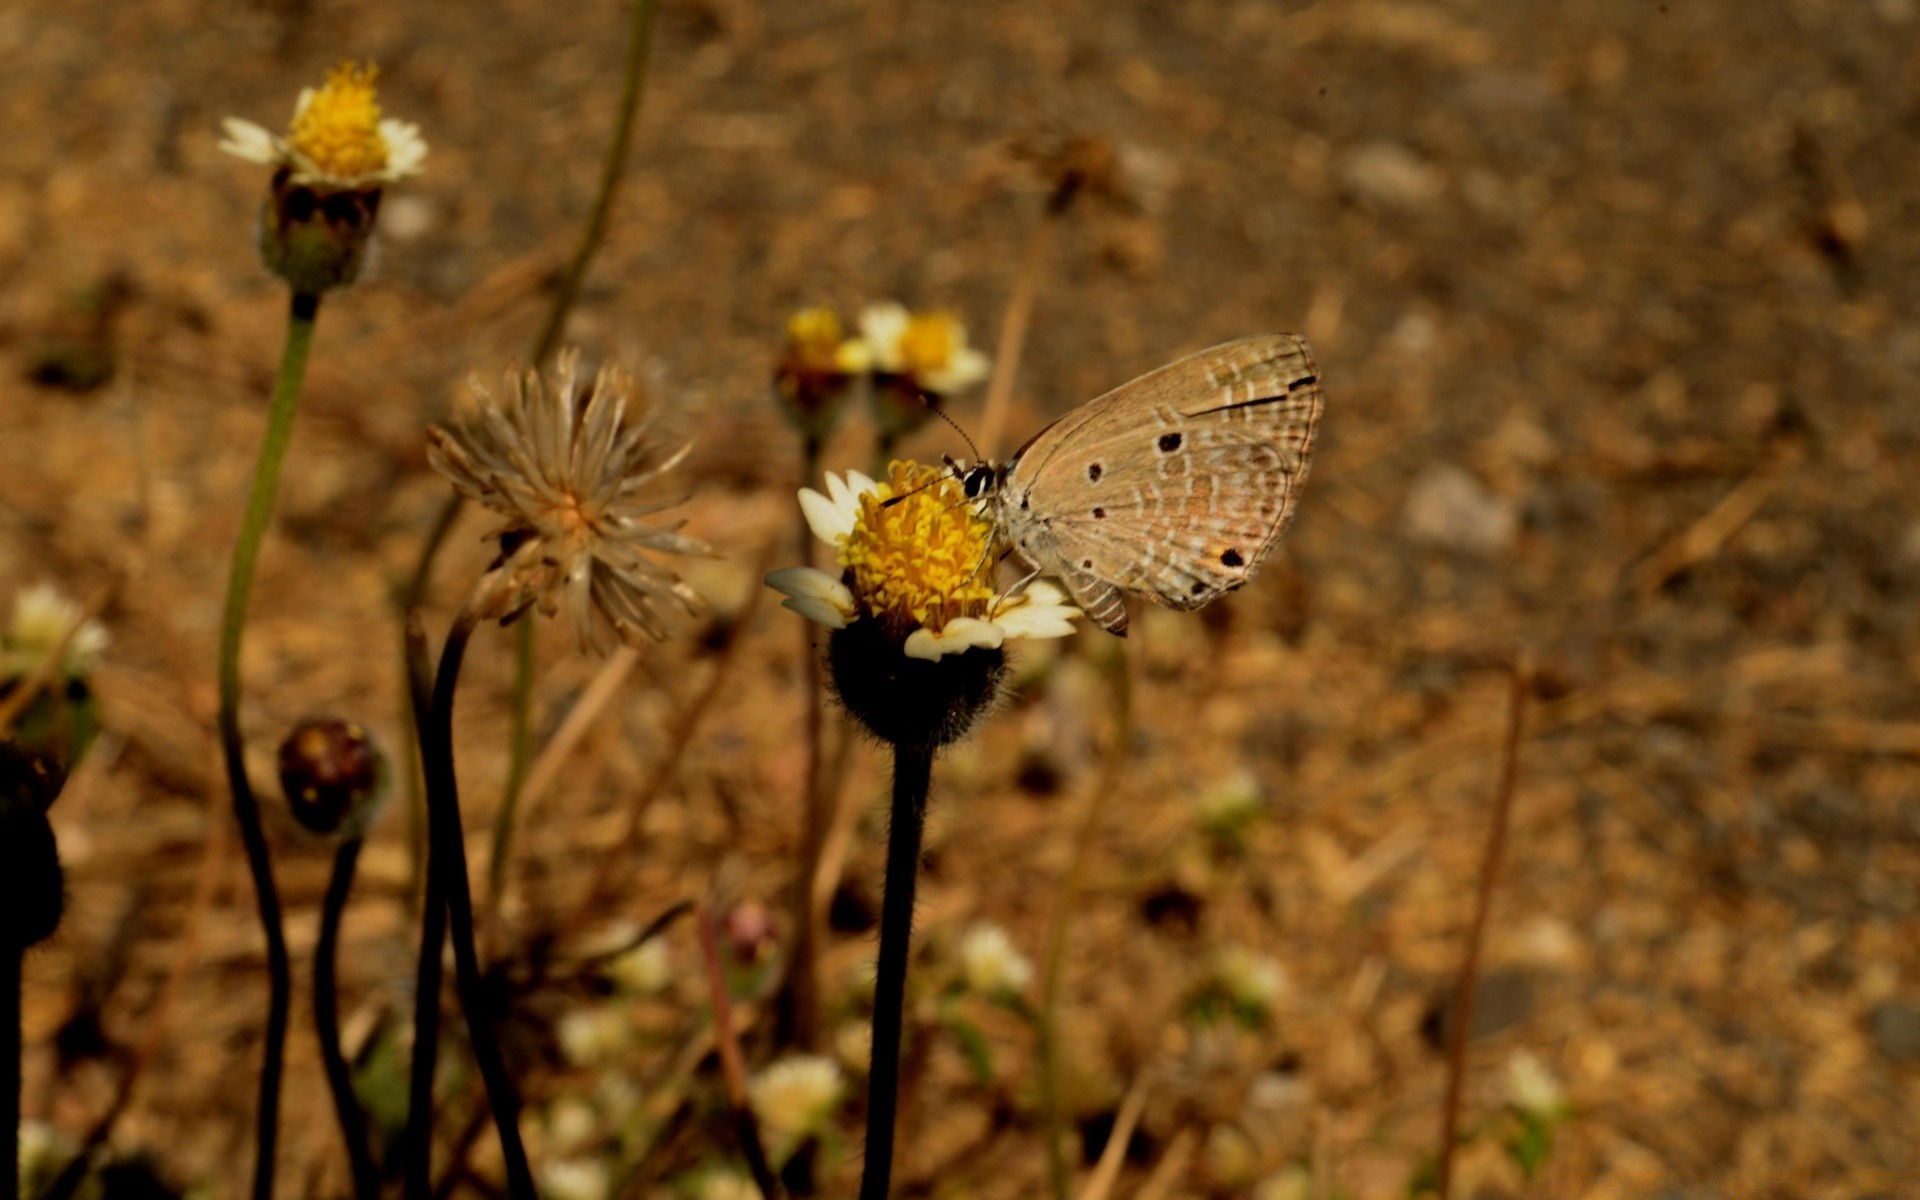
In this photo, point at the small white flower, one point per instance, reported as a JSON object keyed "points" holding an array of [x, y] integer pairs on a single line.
{"points": [[1253, 981], [853, 1043], [726, 1185], [1532, 1089], [990, 963], [933, 591], [337, 139], [42, 614], [643, 970], [929, 348], [575, 1179], [570, 1122], [1231, 803], [594, 1035], [795, 1097]]}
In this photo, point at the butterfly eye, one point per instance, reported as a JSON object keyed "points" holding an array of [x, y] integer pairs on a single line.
{"points": [[977, 481]]}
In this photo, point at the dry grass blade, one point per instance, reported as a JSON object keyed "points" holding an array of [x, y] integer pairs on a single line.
{"points": [[732, 1065], [579, 719], [1476, 935], [1100, 1184], [1704, 538], [1171, 1167]]}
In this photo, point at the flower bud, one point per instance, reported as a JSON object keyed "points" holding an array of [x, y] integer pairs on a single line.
{"points": [[332, 775], [911, 701], [32, 889], [316, 239]]}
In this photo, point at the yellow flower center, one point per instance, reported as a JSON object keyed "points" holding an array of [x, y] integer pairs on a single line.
{"points": [[338, 129], [929, 341], [814, 335], [922, 561]]}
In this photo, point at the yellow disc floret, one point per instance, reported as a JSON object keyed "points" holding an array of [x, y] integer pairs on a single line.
{"points": [[929, 341], [921, 561], [338, 127]]}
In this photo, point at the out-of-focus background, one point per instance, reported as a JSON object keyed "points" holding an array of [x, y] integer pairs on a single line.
{"points": [[1618, 312]]}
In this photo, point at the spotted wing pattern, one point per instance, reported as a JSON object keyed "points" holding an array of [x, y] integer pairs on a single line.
{"points": [[1176, 484]]}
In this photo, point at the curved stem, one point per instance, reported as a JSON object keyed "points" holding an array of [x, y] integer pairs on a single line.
{"points": [[433, 936], [912, 774], [447, 865], [10, 960], [326, 1020], [246, 810], [519, 758]]}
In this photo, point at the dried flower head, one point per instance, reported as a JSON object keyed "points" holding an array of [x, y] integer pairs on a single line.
{"points": [[567, 473], [337, 140]]}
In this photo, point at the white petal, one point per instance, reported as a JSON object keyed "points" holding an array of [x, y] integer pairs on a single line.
{"points": [[1038, 621], [881, 327], [249, 141], [839, 492], [966, 368], [830, 522], [861, 485], [1044, 592], [814, 594], [961, 633], [406, 149]]}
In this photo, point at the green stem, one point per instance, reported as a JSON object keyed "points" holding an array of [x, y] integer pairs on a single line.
{"points": [[912, 776], [326, 1020], [639, 47], [246, 809]]}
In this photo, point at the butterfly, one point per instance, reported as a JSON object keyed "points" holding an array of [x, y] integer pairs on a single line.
{"points": [[1175, 485]]}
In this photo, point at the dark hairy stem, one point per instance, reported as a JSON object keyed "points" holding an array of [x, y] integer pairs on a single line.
{"points": [[10, 958], [418, 1142], [912, 774], [326, 1020], [246, 809], [1490, 864], [447, 861]]}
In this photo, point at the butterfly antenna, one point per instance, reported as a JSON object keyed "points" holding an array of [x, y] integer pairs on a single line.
{"points": [[956, 428]]}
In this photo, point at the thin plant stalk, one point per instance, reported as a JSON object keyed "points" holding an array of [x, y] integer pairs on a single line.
{"points": [[10, 961], [1019, 315], [447, 865], [545, 342], [326, 1020], [1490, 864], [803, 984], [246, 555], [912, 775], [733, 1066], [418, 1141], [1052, 1109]]}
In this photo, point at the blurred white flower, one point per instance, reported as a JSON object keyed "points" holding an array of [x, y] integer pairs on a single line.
{"points": [[795, 1097], [853, 1043], [42, 614], [1532, 1089], [570, 1122], [990, 963], [643, 970], [1252, 981], [1289, 1183], [1231, 803], [337, 139], [928, 348], [726, 1185], [575, 1179], [594, 1035]]}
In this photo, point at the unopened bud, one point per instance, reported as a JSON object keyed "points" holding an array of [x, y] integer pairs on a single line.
{"points": [[332, 775]]}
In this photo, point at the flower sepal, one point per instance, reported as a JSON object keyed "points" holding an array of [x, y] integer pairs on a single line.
{"points": [[909, 700], [316, 240]]}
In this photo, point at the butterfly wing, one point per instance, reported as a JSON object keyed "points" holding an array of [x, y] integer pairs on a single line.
{"points": [[1178, 483]]}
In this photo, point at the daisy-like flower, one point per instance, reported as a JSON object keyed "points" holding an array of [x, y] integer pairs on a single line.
{"points": [[42, 614], [1254, 982], [329, 169], [337, 140], [817, 370], [795, 1098], [990, 963], [915, 556], [930, 349], [567, 474]]}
